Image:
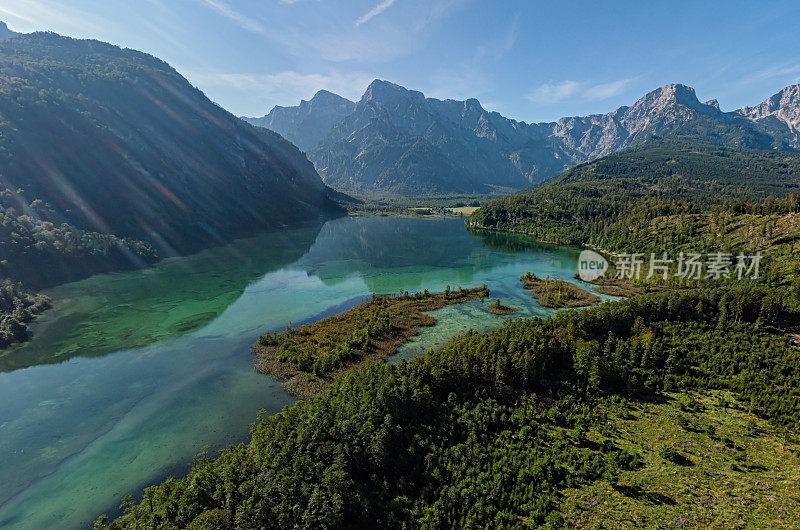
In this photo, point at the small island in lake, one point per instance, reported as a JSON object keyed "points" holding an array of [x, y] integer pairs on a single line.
{"points": [[498, 308], [311, 356], [557, 293]]}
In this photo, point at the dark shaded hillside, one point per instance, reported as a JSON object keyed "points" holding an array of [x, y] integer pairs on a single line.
{"points": [[116, 142], [44, 254]]}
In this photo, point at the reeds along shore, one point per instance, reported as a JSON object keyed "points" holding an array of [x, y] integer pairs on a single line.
{"points": [[313, 355]]}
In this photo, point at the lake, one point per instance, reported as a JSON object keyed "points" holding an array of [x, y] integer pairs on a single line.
{"points": [[133, 374]]}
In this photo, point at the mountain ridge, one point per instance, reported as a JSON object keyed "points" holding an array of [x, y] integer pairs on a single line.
{"points": [[780, 109], [293, 122], [397, 141], [174, 173]]}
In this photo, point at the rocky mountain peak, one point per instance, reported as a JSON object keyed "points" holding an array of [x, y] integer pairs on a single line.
{"points": [[306, 124], [324, 96], [396, 140], [324, 101], [780, 114], [473, 104], [668, 95], [786, 99], [385, 91]]}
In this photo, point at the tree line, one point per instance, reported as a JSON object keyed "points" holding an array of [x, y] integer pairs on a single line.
{"points": [[487, 431]]}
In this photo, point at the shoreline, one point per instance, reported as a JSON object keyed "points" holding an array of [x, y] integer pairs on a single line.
{"points": [[312, 356]]}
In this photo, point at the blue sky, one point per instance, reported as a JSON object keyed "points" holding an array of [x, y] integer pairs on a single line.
{"points": [[530, 60]]}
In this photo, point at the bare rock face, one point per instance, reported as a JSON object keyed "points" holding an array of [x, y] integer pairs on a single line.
{"points": [[779, 116], [657, 113], [306, 124], [397, 141]]}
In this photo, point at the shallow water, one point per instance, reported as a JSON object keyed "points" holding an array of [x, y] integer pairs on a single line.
{"points": [[134, 373]]}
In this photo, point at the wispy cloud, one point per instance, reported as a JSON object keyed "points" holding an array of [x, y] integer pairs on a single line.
{"points": [[607, 90], [465, 82], [511, 35], [374, 12], [436, 11], [407, 32], [260, 92], [33, 15], [554, 92], [16, 14], [549, 93], [231, 14], [469, 78], [789, 71], [497, 46]]}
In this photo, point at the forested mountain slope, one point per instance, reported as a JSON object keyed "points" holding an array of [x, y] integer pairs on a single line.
{"points": [[663, 194], [109, 158]]}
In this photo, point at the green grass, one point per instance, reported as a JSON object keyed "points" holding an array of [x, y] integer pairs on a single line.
{"points": [[733, 470]]}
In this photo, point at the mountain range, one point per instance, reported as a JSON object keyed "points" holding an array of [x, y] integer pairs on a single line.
{"points": [[108, 155], [398, 142]]}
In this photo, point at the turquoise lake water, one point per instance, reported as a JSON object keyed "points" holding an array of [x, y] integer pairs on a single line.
{"points": [[132, 374]]}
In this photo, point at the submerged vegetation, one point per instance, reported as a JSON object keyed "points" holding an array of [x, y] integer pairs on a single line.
{"points": [[312, 355], [516, 427], [554, 293]]}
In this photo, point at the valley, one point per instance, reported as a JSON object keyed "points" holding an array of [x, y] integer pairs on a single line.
{"points": [[156, 362], [534, 383], [399, 308]]}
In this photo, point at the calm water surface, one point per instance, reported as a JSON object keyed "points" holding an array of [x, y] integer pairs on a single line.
{"points": [[132, 374]]}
